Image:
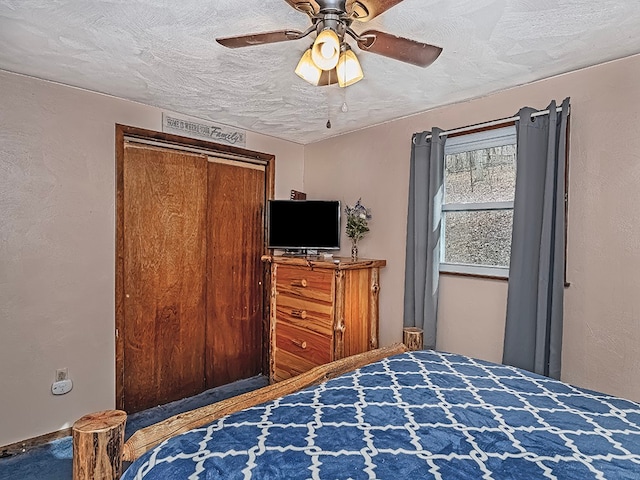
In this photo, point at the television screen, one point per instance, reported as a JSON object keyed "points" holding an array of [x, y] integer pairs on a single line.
{"points": [[303, 224]]}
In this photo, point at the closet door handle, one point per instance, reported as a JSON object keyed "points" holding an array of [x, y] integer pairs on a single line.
{"points": [[300, 343], [299, 283], [299, 314]]}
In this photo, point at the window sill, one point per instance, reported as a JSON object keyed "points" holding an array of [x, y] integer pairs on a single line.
{"points": [[475, 275], [482, 271]]}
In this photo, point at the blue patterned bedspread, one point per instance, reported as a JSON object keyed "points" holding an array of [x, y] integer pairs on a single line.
{"points": [[419, 415]]}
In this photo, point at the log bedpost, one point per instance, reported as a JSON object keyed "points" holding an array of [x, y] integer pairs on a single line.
{"points": [[412, 337], [98, 439]]}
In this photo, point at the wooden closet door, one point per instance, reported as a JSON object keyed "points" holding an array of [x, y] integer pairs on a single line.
{"points": [[234, 291], [165, 213]]}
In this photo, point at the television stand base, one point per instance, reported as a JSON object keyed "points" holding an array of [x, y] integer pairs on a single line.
{"points": [[300, 252]]}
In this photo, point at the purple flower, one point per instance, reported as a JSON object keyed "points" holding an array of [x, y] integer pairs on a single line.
{"points": [[357, 220]]}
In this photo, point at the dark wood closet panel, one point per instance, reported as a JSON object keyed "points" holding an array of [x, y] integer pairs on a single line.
{"points": [[165, 197], [235, 245], [189, 293]]}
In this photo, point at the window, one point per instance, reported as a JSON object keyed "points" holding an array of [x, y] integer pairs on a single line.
{"points": [[477, 209]]}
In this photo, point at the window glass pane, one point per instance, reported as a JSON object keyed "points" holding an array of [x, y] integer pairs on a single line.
{"points": [[485, 175], [480, 237]]}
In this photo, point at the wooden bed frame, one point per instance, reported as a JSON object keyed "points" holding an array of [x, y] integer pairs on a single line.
{"points": [[98, 438]]}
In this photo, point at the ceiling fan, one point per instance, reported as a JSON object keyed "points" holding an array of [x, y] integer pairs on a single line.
{"points": [[330, 58]]}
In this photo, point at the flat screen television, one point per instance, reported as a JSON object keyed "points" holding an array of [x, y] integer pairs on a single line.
{"points": [[302, 225]]}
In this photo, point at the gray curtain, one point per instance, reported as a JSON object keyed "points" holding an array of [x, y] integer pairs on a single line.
{"points": [[533, 334], [423, 234]]}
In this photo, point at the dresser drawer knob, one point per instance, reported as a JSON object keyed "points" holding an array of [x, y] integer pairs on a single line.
{"points": [[299, 343], [299, 283], [299, 314]]}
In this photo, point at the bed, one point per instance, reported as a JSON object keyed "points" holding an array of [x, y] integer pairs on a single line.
{"points": [[422, 414]]}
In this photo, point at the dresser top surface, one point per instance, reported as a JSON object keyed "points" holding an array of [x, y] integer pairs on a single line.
{"points": [[334, 263]]}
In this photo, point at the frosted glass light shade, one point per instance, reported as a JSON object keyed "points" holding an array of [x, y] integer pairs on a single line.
{"points": [[307, 70], [348, 69], [326, 50], [328, 77]]}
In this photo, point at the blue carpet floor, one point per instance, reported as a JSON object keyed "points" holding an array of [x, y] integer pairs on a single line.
{"points": [[53, 460]]}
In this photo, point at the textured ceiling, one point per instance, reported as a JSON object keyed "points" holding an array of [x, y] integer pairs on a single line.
{"points": [[163, 53]]}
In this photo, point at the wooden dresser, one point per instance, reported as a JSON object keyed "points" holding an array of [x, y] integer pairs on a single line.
{"points": [[320, 311]]}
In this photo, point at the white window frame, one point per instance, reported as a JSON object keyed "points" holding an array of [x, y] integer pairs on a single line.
{"points": [[475, 141]]}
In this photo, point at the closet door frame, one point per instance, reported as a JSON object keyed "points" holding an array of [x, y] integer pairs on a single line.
{"points": [[179, 142]]}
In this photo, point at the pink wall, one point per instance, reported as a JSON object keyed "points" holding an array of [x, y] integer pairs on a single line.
{"points": [[57, 234], [57, 231], [602, 306]]}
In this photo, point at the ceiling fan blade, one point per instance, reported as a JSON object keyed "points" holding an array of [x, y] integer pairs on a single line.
{"points": [[399, 48], [365, 10], [260, 38], [310, 7]]}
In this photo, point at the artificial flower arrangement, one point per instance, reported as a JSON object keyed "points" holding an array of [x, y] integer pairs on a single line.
{"points": [[358, 218]]}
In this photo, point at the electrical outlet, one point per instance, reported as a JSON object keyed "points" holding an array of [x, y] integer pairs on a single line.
{"points": [[62, 374], [61, 387]]}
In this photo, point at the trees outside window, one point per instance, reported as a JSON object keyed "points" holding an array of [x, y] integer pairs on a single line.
{"points": [[477, 207]]}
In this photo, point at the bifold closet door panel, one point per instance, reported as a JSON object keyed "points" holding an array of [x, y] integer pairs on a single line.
{"points": [[234, 291], [165, 214]]}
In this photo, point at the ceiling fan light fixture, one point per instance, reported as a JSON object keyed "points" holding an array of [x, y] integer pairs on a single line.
{"points": [[326, 49], [348, 69], [307, 69], [328, 77], [331, 23]]}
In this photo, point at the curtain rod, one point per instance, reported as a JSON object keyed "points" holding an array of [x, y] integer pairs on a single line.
{"points": [[492, 123]]}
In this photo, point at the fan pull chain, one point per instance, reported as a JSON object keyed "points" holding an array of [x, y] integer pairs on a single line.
{"points": [[344, 108], [329, 103]]}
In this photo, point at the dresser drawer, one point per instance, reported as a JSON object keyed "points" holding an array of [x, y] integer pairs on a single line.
{"points": [[299, 349], [309, 314], [305, 283]]}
